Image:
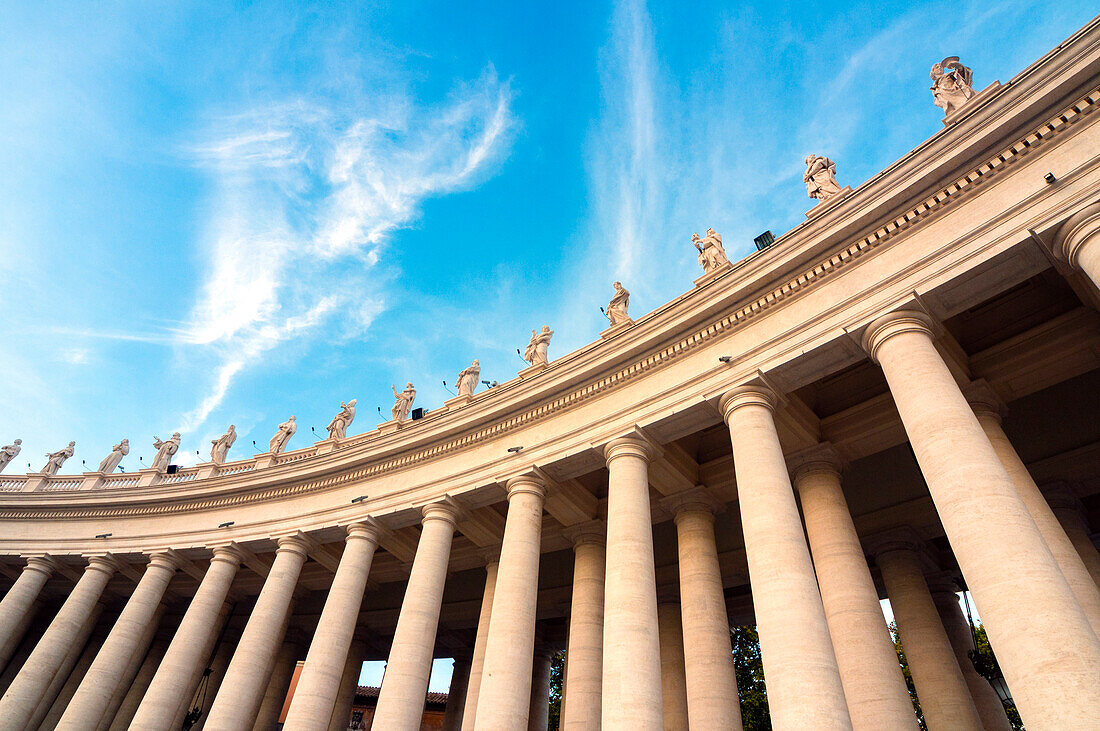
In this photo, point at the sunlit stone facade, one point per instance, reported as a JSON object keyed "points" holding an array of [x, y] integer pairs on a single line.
{"points": [[899, 398]]}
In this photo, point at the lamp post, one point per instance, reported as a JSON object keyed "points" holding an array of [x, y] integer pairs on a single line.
{"points": [[986, 664]]}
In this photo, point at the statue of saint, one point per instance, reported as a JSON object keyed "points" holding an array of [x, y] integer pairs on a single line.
{"points": [[165, 450], [10, 452], [220, 446], [951, 84], [468, 378], [110, 462], [536, 354], [338, 427], [711, 253], [404, 402], [54, 460], [616, 308], [286, 431], [820, 177]]}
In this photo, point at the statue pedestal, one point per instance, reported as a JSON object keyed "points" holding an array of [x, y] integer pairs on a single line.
{"points": [[533, 370], [823, 206], [391, 426], [92, 480], [457, 401], [616, 328], [713, 274], [206, 469], [981, 96], [327, 445], [35, 481], [148, 476], [267, 459]]}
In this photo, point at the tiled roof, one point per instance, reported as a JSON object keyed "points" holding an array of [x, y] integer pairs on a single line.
{"points": [[370, 692]]}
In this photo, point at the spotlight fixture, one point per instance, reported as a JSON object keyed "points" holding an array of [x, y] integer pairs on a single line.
{"points": [[104, 535], [359, 499], [226, 524], [1049, 177], [725, 358], [514, 449]]}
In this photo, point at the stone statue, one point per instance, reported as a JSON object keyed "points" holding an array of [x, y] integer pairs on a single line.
{"points": [[54, 460], [10, 452], [535, 354], [338, 427], [220, 446], [165, 450], [617, 307], [286, 431], [711, 253], [404, 402], [820, 177], [951, 84], [110, 462], [468, 378]]}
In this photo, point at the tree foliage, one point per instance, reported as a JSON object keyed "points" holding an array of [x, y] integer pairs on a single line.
{"points": [[557, 678], [750, 679]]}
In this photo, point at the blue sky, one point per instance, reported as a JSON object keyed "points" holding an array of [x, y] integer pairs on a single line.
{"points": [[234, 212]]}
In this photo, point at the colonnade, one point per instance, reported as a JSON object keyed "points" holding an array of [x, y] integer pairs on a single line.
{"points": [[636, 659]]}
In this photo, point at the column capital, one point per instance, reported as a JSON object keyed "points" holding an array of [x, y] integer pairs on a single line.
{"points": [[630, 446], [165, 558], [942, 586], [903, 539], [296, 542], [894, 323], [228, 552], [590, 531], [489, 555], [696, 499], [444, 510], [1081, 228], [1061, 496], [821, 457], [529, 484], [747, 395], [984, 400], [105, 562], [366, 529], [41, 562]]}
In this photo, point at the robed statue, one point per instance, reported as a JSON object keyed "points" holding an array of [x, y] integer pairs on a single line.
{"points": [[220, 447], [165, 450], [820, 177], [402, 402], [711, 253], [286, 431], [468, 379], [617, 307], [338, 427], [10, 452], [112, 460], [536, 352], [951, 84], [54, 460]]}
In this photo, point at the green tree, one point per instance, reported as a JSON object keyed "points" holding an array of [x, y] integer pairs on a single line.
{"points": [[750, 679], [557, 676]]}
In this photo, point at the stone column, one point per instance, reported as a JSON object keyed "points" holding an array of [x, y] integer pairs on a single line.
{"points": [[456, 695], [18, 604], [349, 683], [632, 652], [941, 688], [278, 685], [990, 709], [988, 408], [1006, 563], [1078, 242], [242, 688], [708, 657], [25, 692], [477, 662], [319, 683], [102, 679], [219, 663], [126, 678], [538, 715], [175, 679], [144, 677], [584, 651], [874, 686], [405, 684], [800, 669], [505, 696], [1070, 514], [674, 702], [77, 660]]}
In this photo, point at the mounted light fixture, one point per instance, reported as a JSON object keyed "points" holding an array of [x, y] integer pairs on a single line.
{"points": [[725, 358], [359, 499], [1049, 177], [104, 535], [514, 449], [226, 524]]}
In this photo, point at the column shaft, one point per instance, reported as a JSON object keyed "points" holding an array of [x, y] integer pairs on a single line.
{"points": [[175, 679], [800, 669], [130, 673], [405, 684], [538, 716], [278, 685], [245, 681], [130, 702], [456, 695], [67, 680], [477, 662], [349, 683], [504, 699], [632, 653], [674, 702], [584, 652], [873, 682], [1069, 515], [319, 683], [219, 664], [23, 696], [1051, 663], [18, 604]]}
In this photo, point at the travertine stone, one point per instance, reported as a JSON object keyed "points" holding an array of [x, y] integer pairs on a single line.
{"points": [[1006, 563], [941, 688], [674, 701], [401, 699], [1071, 515], [1078, 242], [76, 661], [54, 460], [987, 408], [820, 178], [708, 655], [319, 683], [468, 379], [93, 696], [505, 695], [477, 662], [140, 685], [126, 679], [242, 688], [171, 688], [338, 427], [219, 448], [219, 663], [536, 351], [18, 604], [277, 443], [951, 84], [278, 684], [456, 694], [539, 702], [584, 654], [166, 449], [874, 686], [23, 696], [800, 669], [990, 709], [349, 683], [617, 309], [632, 654]]}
